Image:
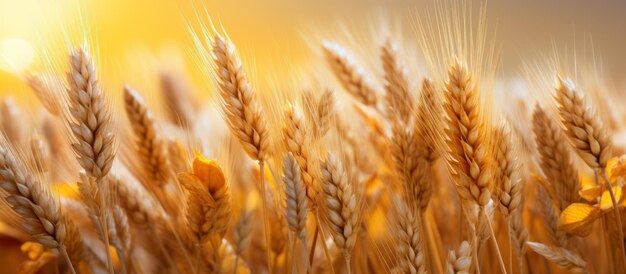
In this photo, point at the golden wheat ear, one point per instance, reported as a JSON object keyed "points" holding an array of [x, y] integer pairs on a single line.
{"points": [[296, 202]]}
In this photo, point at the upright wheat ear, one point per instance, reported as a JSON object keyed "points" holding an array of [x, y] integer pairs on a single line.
{"points": [[150, 146], [44, 93], [295, 137], [90, 116], [585, 131], [341, 203], [349, 74], [295, 197], [409, 248], [40, 212], [555, 158], [508, 190], [396, 84], [467, 141], [243, 112]]}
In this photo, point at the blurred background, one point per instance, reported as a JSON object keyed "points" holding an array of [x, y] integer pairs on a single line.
{"points": [[275, 32]]}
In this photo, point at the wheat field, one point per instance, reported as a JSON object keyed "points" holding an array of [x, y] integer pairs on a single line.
{"points": [[365, 163]]}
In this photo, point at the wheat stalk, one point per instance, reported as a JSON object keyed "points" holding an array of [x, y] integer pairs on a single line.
{"points": [[149, 143], [555, 158], [341, 204], [349, 74], [562, 257]]}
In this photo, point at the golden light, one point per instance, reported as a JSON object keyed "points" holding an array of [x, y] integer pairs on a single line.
{"points": [[16, 55]]}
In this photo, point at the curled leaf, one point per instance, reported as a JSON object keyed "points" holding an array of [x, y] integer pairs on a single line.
{"points": [[209, 173], [578, 219]]}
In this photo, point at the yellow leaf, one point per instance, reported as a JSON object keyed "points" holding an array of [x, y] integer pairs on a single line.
{"points": [[578, 219], [606, 202], [616, 168], [587, 181], [591, 194], [208, 172]]}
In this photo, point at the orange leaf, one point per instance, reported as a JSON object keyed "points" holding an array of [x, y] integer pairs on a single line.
{"points": [[195, 189], [606, 202], [616, 168], [578, 219], [591, 194], [208, 172]]}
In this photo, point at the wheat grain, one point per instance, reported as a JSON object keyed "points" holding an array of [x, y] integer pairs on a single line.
{"points": [[459, 261], [349, 74]]}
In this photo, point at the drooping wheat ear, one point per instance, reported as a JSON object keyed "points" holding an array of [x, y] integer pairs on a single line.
{"points": [[39, 210], [341, 203], [409, 248], [508, 189], [459, 261], [90, 119], [555, 158], [295, 197], [140, 207], [176, 97], [295, 137], [325, 111], [44, 93], [150, 145], [349, 73], [398, 97], [562, 257], [242, 232], [10, 115], [428, 119], [467, 139], [550, 218], [243, 113], [411, 165], [584, 129]]}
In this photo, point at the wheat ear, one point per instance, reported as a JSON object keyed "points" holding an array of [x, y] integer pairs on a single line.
{"points": [[398, 97], [10, 115], [562, 257], [349, 74], [584, 130], [341, 203], [44, 93], [180, 110], [551, 218], [295, 137], [411, 165], [140, 207], [295, 197], [555, 158], [409, 248], [150, 145], [459, 261], [40, 212], [428, 120], [242, 234], [243, 113], [467, 139], [508, 190]]}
